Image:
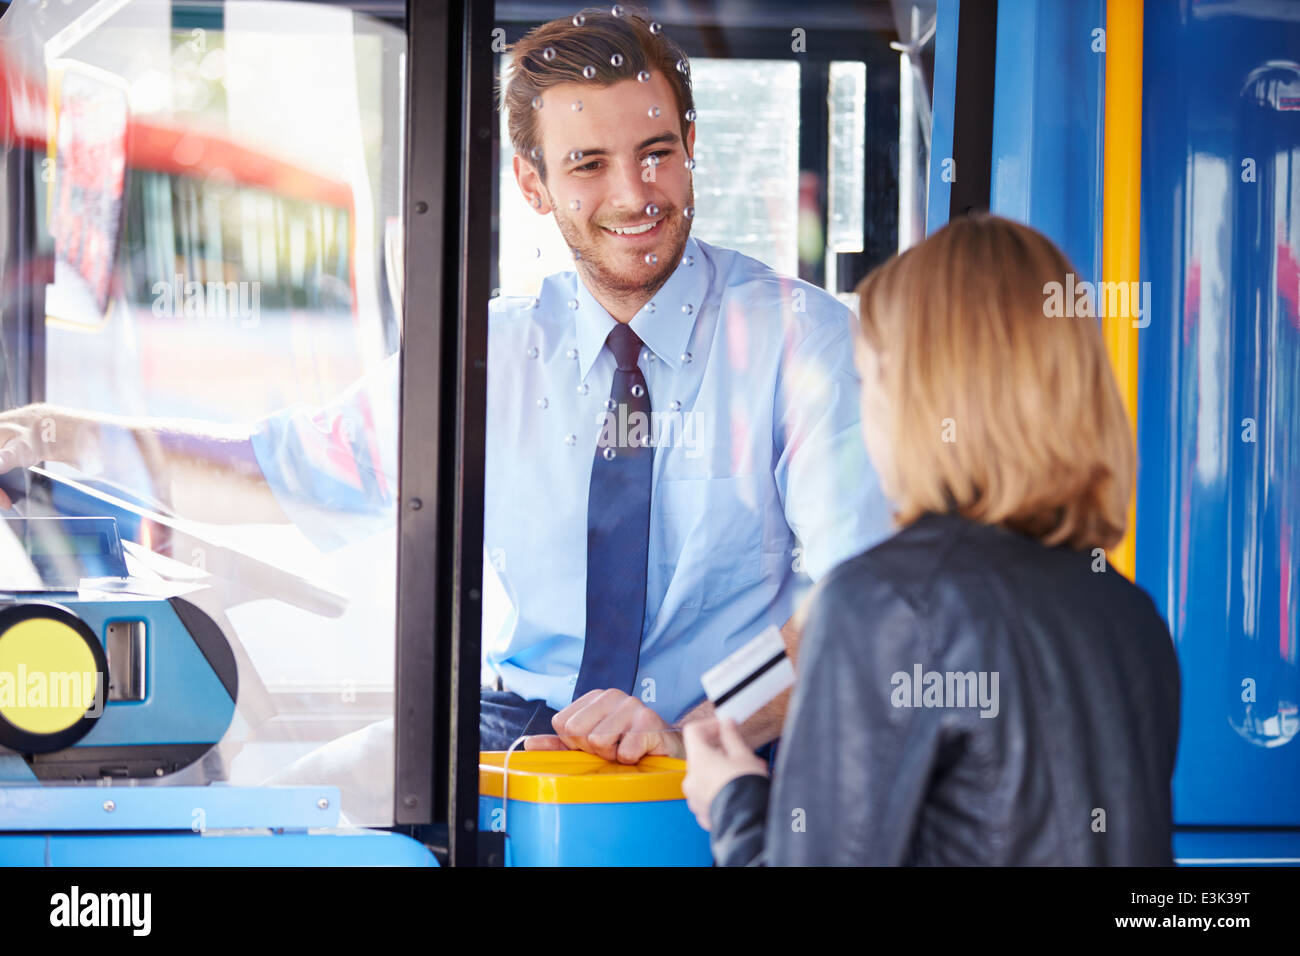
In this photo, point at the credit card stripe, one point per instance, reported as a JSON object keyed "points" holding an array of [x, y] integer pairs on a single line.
{"points": [[776, 659]]}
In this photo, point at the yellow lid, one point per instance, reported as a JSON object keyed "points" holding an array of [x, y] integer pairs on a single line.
{"points": [[574, 776]]}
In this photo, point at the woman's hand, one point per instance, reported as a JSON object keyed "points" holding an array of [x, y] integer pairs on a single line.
{"points": [[716, 754]]}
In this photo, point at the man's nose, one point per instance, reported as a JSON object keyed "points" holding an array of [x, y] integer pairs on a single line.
{"points": [[630, 192]]}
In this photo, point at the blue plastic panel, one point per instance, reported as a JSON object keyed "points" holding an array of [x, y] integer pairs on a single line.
{"points": [[1048, 111], [1219, 396], [654, 833], [213, 807], [1252, 848], [342, 848]]}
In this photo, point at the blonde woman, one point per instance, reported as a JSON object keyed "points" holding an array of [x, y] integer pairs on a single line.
{"points": [[981, 688]]}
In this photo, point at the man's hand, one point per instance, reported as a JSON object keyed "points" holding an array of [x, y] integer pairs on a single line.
{"points": [[36, 433], [613, 725]]}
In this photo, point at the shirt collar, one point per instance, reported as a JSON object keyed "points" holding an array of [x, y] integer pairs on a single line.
{"points": [[664, 324]]}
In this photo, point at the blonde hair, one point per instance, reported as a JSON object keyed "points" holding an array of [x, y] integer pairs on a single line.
{"points": [[997, 411]]}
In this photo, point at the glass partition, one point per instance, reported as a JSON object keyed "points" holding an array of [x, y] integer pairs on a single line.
{"points": [[201, 207]]}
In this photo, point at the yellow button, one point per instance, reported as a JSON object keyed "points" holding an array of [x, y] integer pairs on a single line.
{"points": [[47, 676]]}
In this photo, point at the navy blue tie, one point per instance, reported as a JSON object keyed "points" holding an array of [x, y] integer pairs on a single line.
{"points": [[618, 527]]}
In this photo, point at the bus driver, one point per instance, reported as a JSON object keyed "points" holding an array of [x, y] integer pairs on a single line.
{"points": [[672, 427]]}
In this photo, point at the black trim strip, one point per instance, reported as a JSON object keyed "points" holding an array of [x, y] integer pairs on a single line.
{"points": [[211, 642], [972, 123], [473, 247], [422, 684]]}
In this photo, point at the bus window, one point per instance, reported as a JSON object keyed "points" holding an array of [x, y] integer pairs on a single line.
{"points": [[217, 339]]}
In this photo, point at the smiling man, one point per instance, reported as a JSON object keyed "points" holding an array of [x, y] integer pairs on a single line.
{"points": [[672, 427]]}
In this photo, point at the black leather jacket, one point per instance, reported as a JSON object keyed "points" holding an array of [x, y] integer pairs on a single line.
{"points": [[1071, 765]]}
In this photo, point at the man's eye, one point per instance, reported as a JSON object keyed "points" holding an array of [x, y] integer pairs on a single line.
{"points": [[659, 155]]}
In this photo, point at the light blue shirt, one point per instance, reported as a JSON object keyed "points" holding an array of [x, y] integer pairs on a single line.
{"points": [[757, 442], [760, 481]]}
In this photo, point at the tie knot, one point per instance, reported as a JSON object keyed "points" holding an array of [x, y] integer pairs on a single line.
{"points": [[626, 346]]}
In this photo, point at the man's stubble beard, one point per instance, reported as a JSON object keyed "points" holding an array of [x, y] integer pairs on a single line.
{"points": [[600, 273]]}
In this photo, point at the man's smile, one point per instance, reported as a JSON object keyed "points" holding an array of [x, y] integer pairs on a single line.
{"points": [[643, 230]]}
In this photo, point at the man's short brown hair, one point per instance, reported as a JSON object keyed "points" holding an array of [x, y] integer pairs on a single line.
{"points": [[998, 411], [595, 43]]}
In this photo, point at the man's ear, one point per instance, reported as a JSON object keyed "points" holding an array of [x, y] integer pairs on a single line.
{"points": [[530, 185]]}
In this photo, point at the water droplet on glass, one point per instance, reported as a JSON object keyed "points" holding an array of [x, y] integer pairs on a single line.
{"points": [[616, 59], [542, 403], [573, 303], [675, 406], [686, 307], [686, 358], [690, 163], [650, 306], [579, 19], [689, 212], [588, 72], [654, 111], [537, 102], [575, 155], [689, 260], [651, 259], [650, 356], [494, 293], [548, 54], [582, 389], [637, 391], [535, 303], [656, 28], [576, 106], [537, 252], [536, 203], [644, 76], [571, 353], [575, 205], [651, 209], [616, 10], [536, 153], [690, 115], [610, 404], [683, 66], [609, 454], [533, 352], [571, 439], [576, 254]]}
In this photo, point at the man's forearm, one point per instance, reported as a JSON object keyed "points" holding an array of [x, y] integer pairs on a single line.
{"points": [[765, 725], [203, 470]]}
